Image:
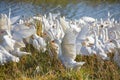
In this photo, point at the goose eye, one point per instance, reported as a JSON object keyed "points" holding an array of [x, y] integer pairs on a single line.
{"points": [[110, 40], [44, 33], [53, 26], [87, 39], [99, 42], [53, 41], [101, 26], [32, 37], [2, 31], [57, 47]]}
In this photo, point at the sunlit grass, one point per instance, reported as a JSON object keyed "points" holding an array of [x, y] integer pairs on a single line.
{"points": [[52, 69], [96, 68]]}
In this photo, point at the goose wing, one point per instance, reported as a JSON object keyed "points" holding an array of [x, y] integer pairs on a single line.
{"points": [[19, 35], [5, 56], [82, 34], [15, 19]]}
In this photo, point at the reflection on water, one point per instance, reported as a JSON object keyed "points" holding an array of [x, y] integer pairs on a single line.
{"points": [[73, 9]]}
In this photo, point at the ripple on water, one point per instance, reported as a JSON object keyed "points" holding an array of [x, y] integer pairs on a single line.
{"points": [[72, 11]]}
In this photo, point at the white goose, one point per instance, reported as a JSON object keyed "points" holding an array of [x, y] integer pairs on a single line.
{"points": [[98, 48], [38, 42], [12, 46], [15, 20], [88, 19], [83, 33], [85, 50], [86, 46], [64, 23], [81, 37], [67, 57], [60, 32], [23, 32], [116, 57], [3, 22], [6, 41], [67, 50], [107, 45], [18, 53], [5, 56]]}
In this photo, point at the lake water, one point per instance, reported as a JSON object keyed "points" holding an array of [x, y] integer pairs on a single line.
{"points": [[71, 9]]}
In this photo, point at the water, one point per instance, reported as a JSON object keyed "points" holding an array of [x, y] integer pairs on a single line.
{"points": [[71, 9]]}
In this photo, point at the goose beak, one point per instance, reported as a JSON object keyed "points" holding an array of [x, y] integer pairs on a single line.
{"points": [[54, 44], [32, 37], [44, 35]]}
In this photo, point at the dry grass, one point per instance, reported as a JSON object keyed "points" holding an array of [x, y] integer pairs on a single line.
{"points": [[50, 68], [97, 69]]}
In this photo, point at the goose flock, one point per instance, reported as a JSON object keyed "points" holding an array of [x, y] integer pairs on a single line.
{"points": [[85, 36]]}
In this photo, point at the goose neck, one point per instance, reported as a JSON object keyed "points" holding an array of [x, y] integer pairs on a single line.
{"points": [[96, 38]]}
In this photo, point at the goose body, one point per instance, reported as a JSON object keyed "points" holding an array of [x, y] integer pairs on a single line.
{"points": [[38, 42], [82, 33], [116, 57], [23, 33], [18, 27], [7, 42], [67, 56], [3, 21], [98, 48], [85, 50], [19, 53], [67, 50], [88, 19], [5, 56]]}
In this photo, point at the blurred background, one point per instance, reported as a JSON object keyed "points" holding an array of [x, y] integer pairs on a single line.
{"points": [[72, 9]]}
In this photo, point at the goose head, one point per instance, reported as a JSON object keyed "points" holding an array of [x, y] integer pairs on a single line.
{"points": [[85, 43], [3, 21], [90, 40], [35, 36], [116, 43], [56, 44], [5, 32], [48, 35], [88, 19], [116, 34]]}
